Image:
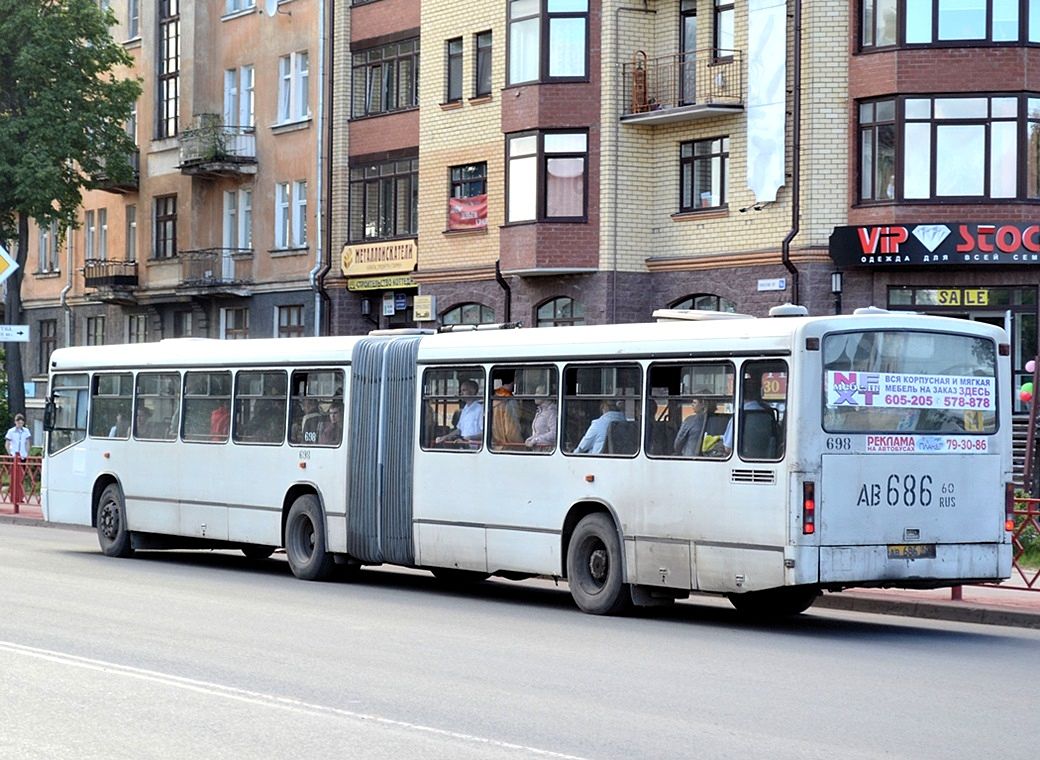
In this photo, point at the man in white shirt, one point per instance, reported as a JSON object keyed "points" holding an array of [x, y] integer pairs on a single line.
{"points": [[470, 425], [17, 439]]}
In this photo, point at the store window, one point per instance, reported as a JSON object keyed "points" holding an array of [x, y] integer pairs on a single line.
{"points": [[468, 314], [705, 302], [560, 311]]}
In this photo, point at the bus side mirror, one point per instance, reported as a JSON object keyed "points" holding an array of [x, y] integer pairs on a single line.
{"points": [[48, 415]]}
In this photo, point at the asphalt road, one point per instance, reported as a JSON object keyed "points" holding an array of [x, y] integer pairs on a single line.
{"points": [[210, 655]]}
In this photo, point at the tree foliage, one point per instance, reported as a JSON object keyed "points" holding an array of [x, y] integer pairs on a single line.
{"points": [[65, 97]]}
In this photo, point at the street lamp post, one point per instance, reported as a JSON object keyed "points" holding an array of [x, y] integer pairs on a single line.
{"points": [[837, 285]]}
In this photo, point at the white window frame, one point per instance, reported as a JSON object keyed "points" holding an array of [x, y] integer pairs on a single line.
{"points": [[298, 233], [133, 19], [131, 232], [245, 218], [224, 321], [102, 243], [239, 97], [230, 219], [281, 215], [48, 248], [89, 231], [293, 85], [237, 6]]}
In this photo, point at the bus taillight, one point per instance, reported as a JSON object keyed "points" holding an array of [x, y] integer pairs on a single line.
{"points": [[808, 507], [1009, 507]]}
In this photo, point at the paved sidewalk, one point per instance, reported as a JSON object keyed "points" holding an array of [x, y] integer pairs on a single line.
{"points": [[1008, 604]]}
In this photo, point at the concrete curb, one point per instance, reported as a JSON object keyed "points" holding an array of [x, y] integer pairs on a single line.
{"points": [[958, 612]]}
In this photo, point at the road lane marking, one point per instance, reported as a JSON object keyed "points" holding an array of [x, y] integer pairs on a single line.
{"points": [[260, 698]]}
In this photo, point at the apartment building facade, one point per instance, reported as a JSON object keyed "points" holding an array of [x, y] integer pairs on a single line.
{"points": [[219, 233]]}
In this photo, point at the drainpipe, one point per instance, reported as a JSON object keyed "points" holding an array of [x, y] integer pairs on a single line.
{"points": [[323, 256], [619, 88], [796, 152], [68, 286], [509, 291]]}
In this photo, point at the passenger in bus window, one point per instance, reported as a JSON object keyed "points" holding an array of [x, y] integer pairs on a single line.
{"points": [[543, 427], [505, 415], [332, 430], [120, 428], [219, 422], [470, 425], [595, 437], [691, 432]]}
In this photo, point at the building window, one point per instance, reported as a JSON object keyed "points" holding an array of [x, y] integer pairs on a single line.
{"points": [[891, 23], [95, 331], [706, 302], [560, 311], [703, 171], [469, 314], [89, 236], [453, 51], [293, 77], [133, 19], [234, 323], [168, 85], [950, 147], [723, 30], [467, 206], [290, 218], [48, 330], [386, 78], [290, 322], [238, 219], [384, 200], [166, 227], [548, 39], [102, 245], [546, 176], [239, 86], [131, 233], [182, 324], [136, 328], [234, 6], [482, 65], [48, 248]]}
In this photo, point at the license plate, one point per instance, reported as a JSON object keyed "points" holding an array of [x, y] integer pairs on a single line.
{"points": [[911, 551]]}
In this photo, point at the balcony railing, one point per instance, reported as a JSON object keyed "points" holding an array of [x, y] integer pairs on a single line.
{"points": [[217, 268], [130, 185], [101, 273], [218, 150], [683, 86]]}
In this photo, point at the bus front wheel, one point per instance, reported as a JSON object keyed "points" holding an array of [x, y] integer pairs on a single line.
{"points": [[595, 568], [305, 545], [113, 535]]}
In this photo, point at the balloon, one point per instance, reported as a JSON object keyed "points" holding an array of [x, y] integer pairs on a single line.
{"points": [[1027, 388], [1026, 396], [1031, 366]]}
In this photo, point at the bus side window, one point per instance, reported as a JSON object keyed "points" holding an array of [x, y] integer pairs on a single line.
{"points": [[602, 409], [111, 399], [260, 402], [523, 409], [157, 405], [316, 411], [453, 409], [763, 410], [689, 405]]}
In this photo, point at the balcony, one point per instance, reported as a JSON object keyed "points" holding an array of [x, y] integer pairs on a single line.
{"points": [[217, 150], [113, 281], [682, 87], [130, 185], [217, 271]]}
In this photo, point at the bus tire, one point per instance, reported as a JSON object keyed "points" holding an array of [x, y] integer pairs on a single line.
{"points": [[595, 568], [775, 602], [305, 546], [113, 535], [256, 551]]}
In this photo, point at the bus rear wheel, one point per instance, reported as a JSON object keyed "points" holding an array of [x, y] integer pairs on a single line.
{"points": [[775, 602], [305, 545], [594, 567], [113, 535]]}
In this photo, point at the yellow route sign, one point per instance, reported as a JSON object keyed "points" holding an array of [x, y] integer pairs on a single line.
{"points": [[7, 264]]}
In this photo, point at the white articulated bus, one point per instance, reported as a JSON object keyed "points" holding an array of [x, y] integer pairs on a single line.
{"points": [[763, 459]]}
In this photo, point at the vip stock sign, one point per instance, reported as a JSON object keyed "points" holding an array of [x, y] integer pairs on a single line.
{"points": [[929, 244]]}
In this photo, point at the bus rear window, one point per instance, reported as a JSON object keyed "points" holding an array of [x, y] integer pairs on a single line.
{"points": [[909, 382]]}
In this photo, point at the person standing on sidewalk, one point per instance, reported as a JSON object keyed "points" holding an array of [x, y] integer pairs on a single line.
{"points": [[17, 444]]}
